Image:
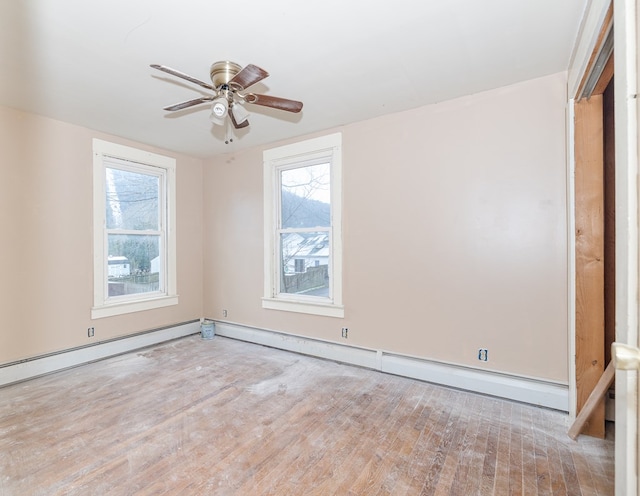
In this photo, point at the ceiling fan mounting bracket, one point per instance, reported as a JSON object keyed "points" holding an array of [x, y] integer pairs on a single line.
{"points": [[222, 72]]}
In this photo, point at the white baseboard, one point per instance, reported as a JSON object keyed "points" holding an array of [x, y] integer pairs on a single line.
{"points": [[528, 390], [37, 366], [534, 391]]}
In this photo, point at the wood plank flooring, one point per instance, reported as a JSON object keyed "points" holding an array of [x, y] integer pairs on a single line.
{"points": [[223, 417]]}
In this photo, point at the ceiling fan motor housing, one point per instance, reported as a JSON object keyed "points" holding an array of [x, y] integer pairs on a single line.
{"points": [[222, 72]]}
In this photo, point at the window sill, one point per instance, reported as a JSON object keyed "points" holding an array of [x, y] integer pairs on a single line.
{"points": [[133, 306], [324, 309]]}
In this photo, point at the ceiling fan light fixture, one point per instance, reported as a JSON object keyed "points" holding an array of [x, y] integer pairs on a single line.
{"points": [[240, 114], [219, 110]]}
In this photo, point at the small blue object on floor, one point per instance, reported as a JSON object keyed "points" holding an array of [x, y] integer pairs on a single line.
{"points": [[207, 329]]}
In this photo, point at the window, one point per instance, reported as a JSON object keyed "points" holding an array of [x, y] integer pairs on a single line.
{"points": [[134, 235], [303, 234]]}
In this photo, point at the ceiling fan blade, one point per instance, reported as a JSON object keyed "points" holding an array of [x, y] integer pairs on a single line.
{"points": [[274, 102], [244, 123], [248, 76], [182, 75], [190, 103]]}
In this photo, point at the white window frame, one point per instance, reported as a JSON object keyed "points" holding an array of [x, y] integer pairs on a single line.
{"points": [[103, 306], [327, 147]]}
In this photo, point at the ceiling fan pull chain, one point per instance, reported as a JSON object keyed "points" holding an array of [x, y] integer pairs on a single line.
{"points": [[228, 133]]}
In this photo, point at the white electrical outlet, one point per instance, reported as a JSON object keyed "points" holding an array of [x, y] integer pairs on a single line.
{"points": [[483, 354]]}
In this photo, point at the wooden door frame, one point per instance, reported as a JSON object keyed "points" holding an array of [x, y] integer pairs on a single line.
{"points": [[589, 257], [587, 193]]}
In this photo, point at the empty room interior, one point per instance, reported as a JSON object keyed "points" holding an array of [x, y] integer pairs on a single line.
{"points": [[348, 248]]}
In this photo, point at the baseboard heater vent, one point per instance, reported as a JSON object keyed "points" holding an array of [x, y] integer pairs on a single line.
{"points": [[53, 362], [534, 391]]}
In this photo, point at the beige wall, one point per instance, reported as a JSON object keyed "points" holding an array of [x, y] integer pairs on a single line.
{"points": [[455, 233], [46, 281]]}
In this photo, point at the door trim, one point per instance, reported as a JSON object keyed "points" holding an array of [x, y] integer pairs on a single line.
{"points": [[626, 147]]}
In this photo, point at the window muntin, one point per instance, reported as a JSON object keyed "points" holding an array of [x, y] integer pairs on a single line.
{"points": [[303, 246], [134, 234]]}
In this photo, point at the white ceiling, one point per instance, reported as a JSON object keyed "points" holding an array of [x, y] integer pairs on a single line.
{"points": [[87, 61]]}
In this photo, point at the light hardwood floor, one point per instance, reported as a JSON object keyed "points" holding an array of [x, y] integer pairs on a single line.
{"points": [[223, 417]]}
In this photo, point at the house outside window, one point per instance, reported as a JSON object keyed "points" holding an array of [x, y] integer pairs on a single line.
{"points": [[299, 265], [303, 234], [134, 234]]}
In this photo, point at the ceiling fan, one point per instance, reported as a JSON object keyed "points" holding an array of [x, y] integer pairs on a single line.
{"points": [[228, 83]]}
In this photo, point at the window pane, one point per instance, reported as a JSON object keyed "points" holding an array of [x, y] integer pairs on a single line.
{"points": [[133, 264], [306, 197], [304, 265], [132, 200]]}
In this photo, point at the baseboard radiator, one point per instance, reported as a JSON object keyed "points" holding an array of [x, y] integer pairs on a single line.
{"points": [[534, 391], [53, 362], [527, 390]]}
